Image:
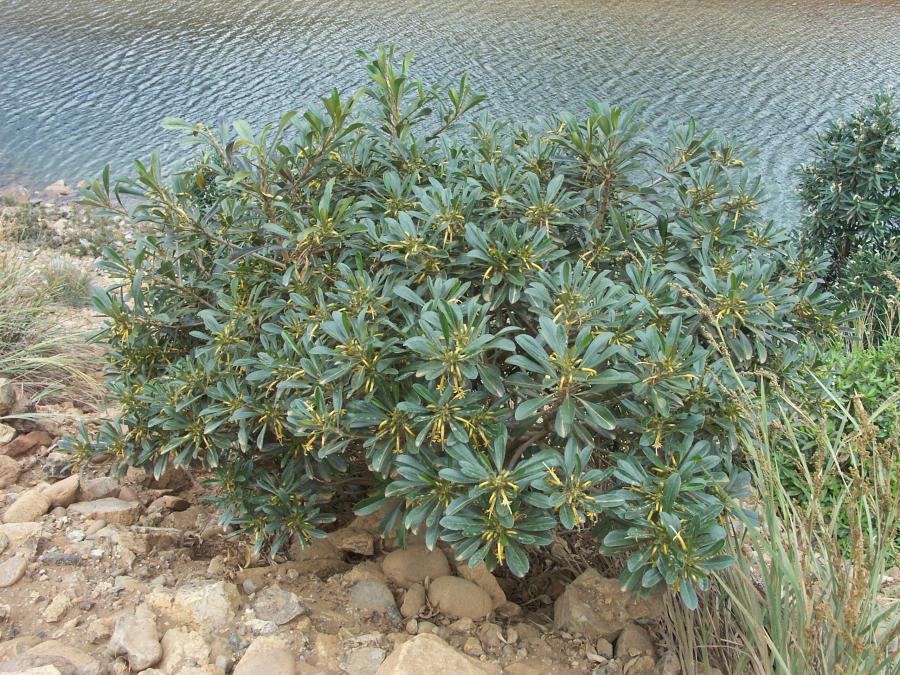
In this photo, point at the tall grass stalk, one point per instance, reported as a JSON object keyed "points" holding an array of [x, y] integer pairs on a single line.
{"points": [[875, 319], [806, 591], [805, 596], [875, 307]]}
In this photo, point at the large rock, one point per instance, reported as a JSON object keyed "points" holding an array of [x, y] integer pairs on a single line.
{"points": [[375, 596], [16, 646], [26, 443], [206, 606], [183, 648], [58, 189], [429, 654], [22, 535], [413, 601], [12, 569], [98, 488], [113, 511], [9, 471], [459, 598], [353, 540], [363, 660], [135, 636], [29, 507], [634, 641], [315, 549], [266, 655], [597, 607], [57, 608], [406, 567], [277, 605], [83, 662], [62, 493], [32, 664], [482, 576]]}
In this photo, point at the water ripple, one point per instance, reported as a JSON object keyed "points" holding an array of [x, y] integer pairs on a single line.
{"points": [[83, 82]]}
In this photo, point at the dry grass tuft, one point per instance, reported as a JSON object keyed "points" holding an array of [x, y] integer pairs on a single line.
{"points": [[39, 349]]}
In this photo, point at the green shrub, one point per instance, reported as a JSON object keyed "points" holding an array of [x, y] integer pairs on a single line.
{"points": [[484, 332], [851, 191]]}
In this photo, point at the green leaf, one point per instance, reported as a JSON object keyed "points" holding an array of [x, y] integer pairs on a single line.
{"points": [[567, 516], [688, 594], [532, 407], [517, 560], [565, 416], [671, 489], [597, 415]]}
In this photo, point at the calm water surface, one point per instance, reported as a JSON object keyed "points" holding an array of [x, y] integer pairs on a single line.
{"points": [[86, 82]]}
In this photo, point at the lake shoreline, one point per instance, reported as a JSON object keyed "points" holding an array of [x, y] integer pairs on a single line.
{"points": [[58, 192]]}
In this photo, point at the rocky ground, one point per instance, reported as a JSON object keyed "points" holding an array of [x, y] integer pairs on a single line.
{"points": [[107, 575], [101, 575]]}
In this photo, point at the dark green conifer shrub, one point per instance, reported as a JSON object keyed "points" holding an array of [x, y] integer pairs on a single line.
{"points": [[851, 190], [486, 332]]}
